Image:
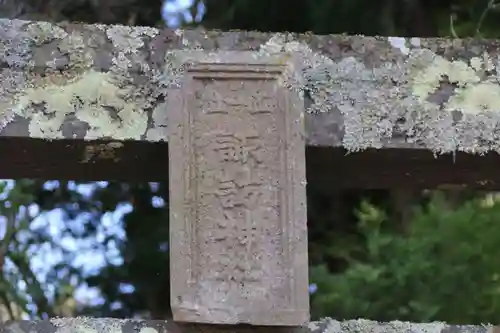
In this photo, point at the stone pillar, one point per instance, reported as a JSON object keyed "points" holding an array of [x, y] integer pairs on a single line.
{"points": [[237, 191]]}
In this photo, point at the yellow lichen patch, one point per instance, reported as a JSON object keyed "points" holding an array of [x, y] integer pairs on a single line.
{"points": [[90, 98], [474, 93], [476, 98], [428, 80], [87, 325]]}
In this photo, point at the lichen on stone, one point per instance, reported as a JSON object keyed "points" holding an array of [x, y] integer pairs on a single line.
{"points": [[43, 32], [403, 99], [88, 325], [475, 96], [363, 325], [408, 95], [127, 41], [92, 98], [75, 47], [15, 48], [348, 87], [176, 62]]}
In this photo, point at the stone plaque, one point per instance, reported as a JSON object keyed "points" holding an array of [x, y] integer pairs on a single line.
{"points": [[238, 229]]}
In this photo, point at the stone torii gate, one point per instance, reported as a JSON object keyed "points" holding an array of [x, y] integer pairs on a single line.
{"points": [[242, 113]]}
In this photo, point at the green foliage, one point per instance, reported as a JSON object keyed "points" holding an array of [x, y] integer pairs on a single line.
{"points": [[446, 268], [422, 18]]}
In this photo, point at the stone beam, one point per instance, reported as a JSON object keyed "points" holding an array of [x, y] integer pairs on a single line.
{"points": [[139, 162], [327, 325], [94, 81], [93, 97]]}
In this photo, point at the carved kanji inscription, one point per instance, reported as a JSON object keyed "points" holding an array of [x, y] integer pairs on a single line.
{"points": [[237, 197]]}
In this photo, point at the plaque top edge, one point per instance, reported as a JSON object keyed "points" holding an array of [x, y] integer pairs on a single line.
{"points": [[228, 65], [233, 58], [237, 67]]}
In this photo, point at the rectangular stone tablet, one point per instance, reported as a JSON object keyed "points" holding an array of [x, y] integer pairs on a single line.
{"points": [[238, 232]]}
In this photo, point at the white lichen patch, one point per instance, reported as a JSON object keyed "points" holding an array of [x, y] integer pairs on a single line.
{"points": [[349, 87], [312, 326], [12, 82], [79, 54], [91, 98], [15, 43], [363, 325], [404, 96], [310, 67], [88, 325], [121, 62], [129, 39], [42, 32], [189, 43]]}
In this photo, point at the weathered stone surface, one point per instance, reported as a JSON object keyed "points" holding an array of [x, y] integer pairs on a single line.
{"points": [[81, 81], [237, 193], [327, 325], [370, 90]]}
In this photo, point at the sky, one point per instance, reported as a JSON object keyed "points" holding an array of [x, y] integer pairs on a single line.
{"points": [[172, 10]]}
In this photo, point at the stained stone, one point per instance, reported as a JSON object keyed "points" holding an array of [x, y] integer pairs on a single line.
{"points": [[237, 195]]}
